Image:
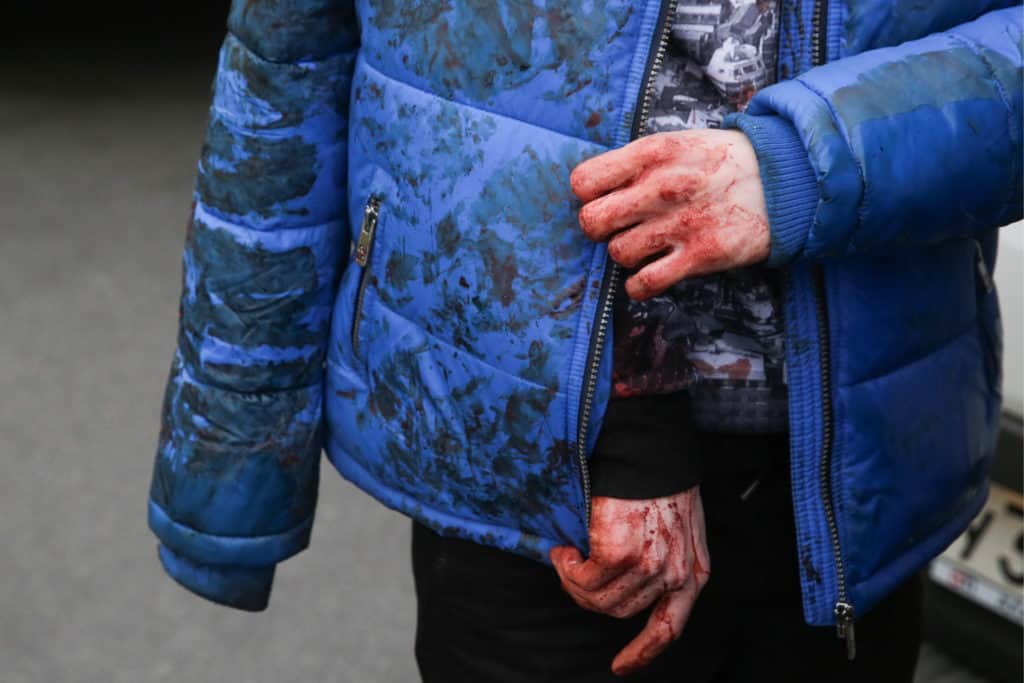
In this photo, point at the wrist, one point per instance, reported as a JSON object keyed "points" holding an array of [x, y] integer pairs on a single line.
{"points": [[790, 188]]}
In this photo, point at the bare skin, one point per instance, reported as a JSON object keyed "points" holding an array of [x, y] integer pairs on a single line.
{"points": [[671, 206], [642, 552], [674, 205]]}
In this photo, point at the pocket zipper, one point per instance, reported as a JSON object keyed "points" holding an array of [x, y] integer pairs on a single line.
{"points": [[362, 256]]}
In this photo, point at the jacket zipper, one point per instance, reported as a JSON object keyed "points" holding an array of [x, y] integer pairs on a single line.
{"points": [[362, 256], [613, 270], [819, 25], [843, 610]]}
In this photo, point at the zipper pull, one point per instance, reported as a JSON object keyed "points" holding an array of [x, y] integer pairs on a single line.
{"points": [[370, 213], [845, 628], [986, 277]]}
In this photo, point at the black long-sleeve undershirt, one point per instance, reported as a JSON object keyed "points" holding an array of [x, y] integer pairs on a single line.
{"points": [[647, 448]]}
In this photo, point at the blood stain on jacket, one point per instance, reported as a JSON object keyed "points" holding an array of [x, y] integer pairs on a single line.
{"points": [[247, 295], [241, 174]]}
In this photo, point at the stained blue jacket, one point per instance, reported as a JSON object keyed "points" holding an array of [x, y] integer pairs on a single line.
{"points": [[384, 261]]}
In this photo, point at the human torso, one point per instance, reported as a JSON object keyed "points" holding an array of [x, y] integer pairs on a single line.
{"points": [[477, 384]]}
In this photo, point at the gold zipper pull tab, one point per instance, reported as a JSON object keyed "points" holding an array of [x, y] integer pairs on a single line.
{"points": [[366, 229], [845, 628]]}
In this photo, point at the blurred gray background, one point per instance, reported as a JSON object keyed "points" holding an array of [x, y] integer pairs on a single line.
{"points": [[100, 127]]}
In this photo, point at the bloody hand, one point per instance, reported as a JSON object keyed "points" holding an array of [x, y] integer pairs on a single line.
{"points": [[641, 552], [675, 204]]}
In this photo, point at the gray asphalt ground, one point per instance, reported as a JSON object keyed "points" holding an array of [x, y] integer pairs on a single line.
{"points": [[95, 175]]}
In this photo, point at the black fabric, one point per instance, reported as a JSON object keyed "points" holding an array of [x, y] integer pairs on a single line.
{"points": [[647, 448], [486, 616]]}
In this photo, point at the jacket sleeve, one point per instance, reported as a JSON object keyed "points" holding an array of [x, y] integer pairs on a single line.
{"points": [[235, 479], [895, 147]]}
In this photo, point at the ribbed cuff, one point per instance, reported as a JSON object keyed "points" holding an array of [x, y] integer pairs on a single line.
{"points": [[790, 184], [245, 588]]}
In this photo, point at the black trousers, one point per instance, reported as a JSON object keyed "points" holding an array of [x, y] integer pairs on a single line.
{"points": [[486, 616]]}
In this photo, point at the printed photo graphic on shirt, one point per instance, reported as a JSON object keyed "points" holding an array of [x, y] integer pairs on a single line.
{"points": [[720, 53]]}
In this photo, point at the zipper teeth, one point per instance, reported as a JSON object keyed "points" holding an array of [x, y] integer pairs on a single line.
{"points": [[591, 383], [818, 57], [819, 53], [655, 65], [825, 472], [369, 214], [614, 270]]}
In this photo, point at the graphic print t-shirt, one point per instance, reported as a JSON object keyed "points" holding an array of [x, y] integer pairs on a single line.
{"points": [[719, 336]]}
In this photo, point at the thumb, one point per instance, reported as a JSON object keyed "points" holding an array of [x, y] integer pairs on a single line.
{"points": [[563, 555]]}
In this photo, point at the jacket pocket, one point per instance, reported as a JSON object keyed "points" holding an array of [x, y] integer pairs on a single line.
{"points": [[362, 254]]}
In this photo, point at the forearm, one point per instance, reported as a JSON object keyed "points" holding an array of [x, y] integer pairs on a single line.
{"points": [[896, 147], [235, 478]]}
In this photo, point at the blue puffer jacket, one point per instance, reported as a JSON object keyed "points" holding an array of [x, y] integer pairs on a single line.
{"points": [[384, 260]]}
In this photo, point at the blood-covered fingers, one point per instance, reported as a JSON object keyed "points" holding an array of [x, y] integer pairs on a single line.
{"points": [[602, 174], [655, 194], [632, 247], [618, 584], [606, 172], [657, 276], [625, 596], [698, 240], [663, 626], [633, 602], [604, 216], [585, 575], [562, 559]]}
